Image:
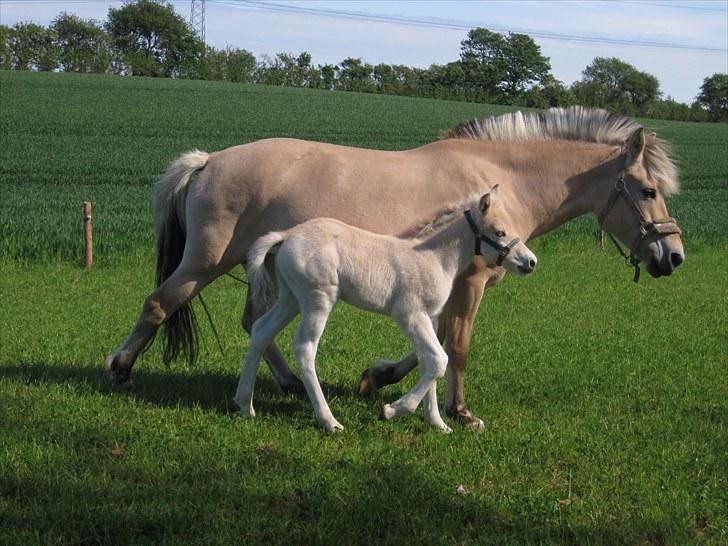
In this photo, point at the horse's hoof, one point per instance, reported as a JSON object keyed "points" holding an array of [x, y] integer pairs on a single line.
{"points": [[463, 416], [120, 377], [387, 412], [476, 424], [367, 384]]}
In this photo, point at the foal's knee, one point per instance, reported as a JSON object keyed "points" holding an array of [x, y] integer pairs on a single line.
{"points": [[440, 365]]}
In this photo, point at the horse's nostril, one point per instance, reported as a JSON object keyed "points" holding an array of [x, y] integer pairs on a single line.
{"points": [[676, 259], [532, 263]]}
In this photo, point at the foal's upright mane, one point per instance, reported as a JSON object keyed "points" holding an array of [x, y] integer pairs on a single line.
{"points": [[443, 217], [573, 123]]}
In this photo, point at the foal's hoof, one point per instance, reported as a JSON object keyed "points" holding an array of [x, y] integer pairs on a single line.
{"points": [[367, 384], [333, 427], [444, 429], [246, 408], [387, 412]]}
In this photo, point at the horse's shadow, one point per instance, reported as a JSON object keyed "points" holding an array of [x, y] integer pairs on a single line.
{"points": [[209, 390]]}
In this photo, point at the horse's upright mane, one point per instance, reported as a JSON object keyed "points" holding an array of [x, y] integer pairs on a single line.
{"points": [[443, 217], [573, 123]]}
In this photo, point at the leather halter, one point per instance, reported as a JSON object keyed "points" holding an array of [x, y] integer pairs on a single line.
{"points": [[503, 250], [659, 228]]}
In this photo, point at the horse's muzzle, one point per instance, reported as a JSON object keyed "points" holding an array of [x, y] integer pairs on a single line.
{"points": [[665, 266]]}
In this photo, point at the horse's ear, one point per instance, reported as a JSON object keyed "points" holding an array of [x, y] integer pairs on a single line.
{"points": [[636, 144]]}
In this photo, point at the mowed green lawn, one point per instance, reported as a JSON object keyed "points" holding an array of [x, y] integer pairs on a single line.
{"points": [[606, 402]]}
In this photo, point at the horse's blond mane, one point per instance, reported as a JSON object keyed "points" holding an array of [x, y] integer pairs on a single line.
{"points": [[443, 217], [573, 123]]}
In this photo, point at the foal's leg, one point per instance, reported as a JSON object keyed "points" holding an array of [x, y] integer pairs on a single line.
{"points": [[429, 402], [315, 311], [263, 333], [419, 330], [272, 355]]}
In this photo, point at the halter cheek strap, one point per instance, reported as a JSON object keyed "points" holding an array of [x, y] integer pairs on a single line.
{"points": [[503, 250], [659, 228]]}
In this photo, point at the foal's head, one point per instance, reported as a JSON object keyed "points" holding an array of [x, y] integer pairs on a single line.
{"points": [[501, 244]]}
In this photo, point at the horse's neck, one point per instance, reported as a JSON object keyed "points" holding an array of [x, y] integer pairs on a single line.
{"points": [[560, 185], [452, 245]]}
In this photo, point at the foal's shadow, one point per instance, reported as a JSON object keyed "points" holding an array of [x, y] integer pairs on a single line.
{"points": [[209, 390]]}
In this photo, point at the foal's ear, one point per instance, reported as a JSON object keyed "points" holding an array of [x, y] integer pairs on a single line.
{"points": [[487, 199], [636, 144], [484, 203]]}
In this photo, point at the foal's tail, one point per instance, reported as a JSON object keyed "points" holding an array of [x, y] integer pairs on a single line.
{"points": [[180, 328], [261, 285]]}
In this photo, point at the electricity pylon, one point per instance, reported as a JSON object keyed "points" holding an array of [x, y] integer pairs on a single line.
{"points": [[197, 18]]}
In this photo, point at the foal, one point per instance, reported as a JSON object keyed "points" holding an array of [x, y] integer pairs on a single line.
{"points": [[324, 260]]}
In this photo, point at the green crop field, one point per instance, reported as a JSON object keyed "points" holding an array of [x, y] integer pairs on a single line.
{"points": [[606, 402]]}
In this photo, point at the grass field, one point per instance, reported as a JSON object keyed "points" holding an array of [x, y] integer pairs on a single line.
{"points": [[606, 402]]}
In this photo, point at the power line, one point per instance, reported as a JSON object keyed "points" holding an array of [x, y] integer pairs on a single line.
{"points": [[452, 25]]}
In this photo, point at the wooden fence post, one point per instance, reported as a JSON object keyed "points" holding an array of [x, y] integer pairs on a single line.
{"points": [[88, 234]]}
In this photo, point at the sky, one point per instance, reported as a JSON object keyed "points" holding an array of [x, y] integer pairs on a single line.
{"points": [[680, 42]]}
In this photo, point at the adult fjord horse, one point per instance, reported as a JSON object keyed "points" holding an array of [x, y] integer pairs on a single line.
{"points": [[554, 166]]}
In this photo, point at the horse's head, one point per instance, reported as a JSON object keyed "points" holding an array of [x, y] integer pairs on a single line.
{"points": [[501, 244], [635, 212]]}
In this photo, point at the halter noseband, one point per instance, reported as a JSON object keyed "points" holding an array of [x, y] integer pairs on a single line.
{"points": [[659, 228], [503, 250]]}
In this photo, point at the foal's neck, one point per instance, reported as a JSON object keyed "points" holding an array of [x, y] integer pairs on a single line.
{"points": [[453, 245]]}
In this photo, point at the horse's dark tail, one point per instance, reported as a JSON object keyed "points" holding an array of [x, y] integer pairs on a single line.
{"points": [[180, 328]]}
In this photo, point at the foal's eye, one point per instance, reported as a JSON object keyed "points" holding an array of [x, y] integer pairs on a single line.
{"points": [[649, 193], [500, 233]]}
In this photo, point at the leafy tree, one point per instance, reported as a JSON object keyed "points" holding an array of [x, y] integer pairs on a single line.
{"points": [[240, 66], [32, 47], [355, 75], [83, 45], [154, 40], [328, 76], [6, 57], [714, 96], [614, 84], [548, 93], [507, 65]]}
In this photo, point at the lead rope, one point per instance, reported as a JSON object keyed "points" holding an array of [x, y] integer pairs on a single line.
{"points": [[629, 259], [209, 316]]}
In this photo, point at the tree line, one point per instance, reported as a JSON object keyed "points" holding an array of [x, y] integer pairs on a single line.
{"points": [[148, 38]]}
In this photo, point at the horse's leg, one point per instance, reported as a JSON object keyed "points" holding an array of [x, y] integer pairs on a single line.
{"points": [[178, 289], [263, 333], [457, 322], [385, 372], [276, 361], [419, 329], [315, 311]]}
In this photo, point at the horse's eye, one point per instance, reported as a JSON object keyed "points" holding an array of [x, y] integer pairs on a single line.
{"points": [[649, 193], [500, 233]]}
